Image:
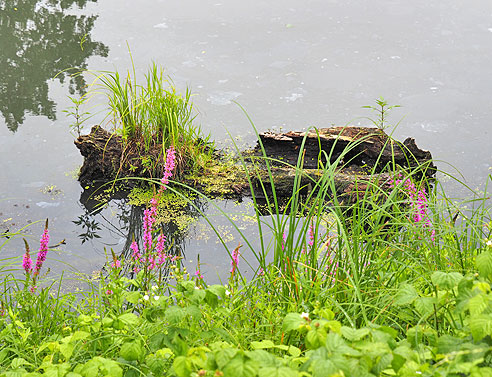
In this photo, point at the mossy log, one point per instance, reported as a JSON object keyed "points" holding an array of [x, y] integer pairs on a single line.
{"points": [[370, 152]]}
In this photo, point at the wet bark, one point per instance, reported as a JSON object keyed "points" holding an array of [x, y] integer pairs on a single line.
{"points": [[361, 155]]}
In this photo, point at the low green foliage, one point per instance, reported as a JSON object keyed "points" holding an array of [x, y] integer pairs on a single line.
{"points": [[190, 329]]}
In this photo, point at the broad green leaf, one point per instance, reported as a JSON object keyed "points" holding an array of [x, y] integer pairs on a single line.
{"points": [[382, 362], [277, 372], [316, 337], [129, 319], [194, 311], [218, 290], [224, 355], [181, 366], [263, 358], [174, 314], [198, 296], [292, 321], [132, 351], [484, 264], [446, 280], [187, 285], [66, 350], [448, 344], [425, 305], [294, 351], [354, 334], [334, 326], [477, 304], [132, 297], [240, 367], [481, 326], [406, 294]]}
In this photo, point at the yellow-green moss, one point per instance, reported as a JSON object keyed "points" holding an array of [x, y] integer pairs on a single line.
{"points": [[171, 207], [219, 177]]}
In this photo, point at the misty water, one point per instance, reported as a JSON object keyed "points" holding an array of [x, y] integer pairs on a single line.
{"points": [[291, 64]]}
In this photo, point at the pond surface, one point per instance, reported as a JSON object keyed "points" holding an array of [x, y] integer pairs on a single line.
{"points": [[291, 64]]}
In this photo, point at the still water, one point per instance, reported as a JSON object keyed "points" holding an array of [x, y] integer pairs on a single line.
{"points": [[291, 64]]}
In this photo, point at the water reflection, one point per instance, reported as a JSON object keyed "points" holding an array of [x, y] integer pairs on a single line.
{"points": [[115, 215], [38, 40]]}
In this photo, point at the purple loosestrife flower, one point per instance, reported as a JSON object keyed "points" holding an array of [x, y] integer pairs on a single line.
{"points": [[43, 250], [136, 253], [198, 274], [148, 222], [160, 249], [235, 259], [168, 168], [27, 261], [311, 235]]}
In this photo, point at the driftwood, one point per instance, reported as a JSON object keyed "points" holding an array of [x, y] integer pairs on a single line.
{"points": [[369, 147], [370, 151]]}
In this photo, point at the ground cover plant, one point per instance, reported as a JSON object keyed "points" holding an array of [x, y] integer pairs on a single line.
{"points": [[391, 279]]}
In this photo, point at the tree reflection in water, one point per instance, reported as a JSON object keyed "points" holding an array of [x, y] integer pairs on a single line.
{"points": [[40, 39], [127, 222]]}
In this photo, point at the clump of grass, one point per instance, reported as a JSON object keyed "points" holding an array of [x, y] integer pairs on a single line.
{"points": [[153, 116]]}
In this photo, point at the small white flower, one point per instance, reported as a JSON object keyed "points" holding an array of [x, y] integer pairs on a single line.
{"points": [[227, 292], [146, 297], [489, 243], [305, 316], [155, 288], [157, 298], [197, 287]]}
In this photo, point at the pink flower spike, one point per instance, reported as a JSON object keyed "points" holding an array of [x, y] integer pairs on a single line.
{"points": [[43, 250], [168, 168], [27, 261]]}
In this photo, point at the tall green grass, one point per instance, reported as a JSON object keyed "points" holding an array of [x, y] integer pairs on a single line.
{"points": [[154, 114]]}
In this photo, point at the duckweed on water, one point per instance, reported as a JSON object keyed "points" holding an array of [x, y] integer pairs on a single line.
{"points": [[172, 208]]}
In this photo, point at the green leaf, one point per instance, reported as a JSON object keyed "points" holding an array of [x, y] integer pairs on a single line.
{"points": [[239, 367], [354, 334], [132, 351], [481, 326], [174, 314], [194, 312], [446, 280], [484, 264], [67, 350], [425, 305], [316, 337], [448, 344], [477, 304], [129, 319], [262, 358], [292, 321], [406, 294], [132, 297], [277, 372], [181, 366]]}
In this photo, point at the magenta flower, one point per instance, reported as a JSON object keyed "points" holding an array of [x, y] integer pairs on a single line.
{"points": [[43, 250], [198, 274], [148, 222], [136, 253], [116, 264], [168, 168], [27, 261], [160, 249], [311, 235], [235, 259]]}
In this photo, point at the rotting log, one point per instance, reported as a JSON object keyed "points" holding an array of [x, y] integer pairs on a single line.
{"points": [[357, 147], [361, 153]]}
